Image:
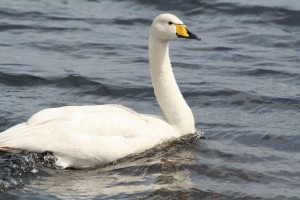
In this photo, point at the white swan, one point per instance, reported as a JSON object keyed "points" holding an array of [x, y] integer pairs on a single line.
{"points": [[87, 136]]}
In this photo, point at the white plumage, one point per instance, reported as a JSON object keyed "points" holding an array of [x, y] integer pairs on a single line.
{"points": [[87, 136]]}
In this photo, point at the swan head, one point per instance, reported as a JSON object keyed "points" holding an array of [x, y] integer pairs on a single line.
{"points": [[168, 27]]}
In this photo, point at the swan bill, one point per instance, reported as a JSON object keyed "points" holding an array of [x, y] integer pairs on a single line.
{"points": [[183, 32]]}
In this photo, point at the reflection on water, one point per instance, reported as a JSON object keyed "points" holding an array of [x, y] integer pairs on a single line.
{"points": [[123, 179], [163, 168]]}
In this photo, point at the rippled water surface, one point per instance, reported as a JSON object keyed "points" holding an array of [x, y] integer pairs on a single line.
{"points": [[242, 82]]}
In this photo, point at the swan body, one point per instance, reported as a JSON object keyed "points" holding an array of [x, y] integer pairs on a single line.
{"points": [[87, 136]]}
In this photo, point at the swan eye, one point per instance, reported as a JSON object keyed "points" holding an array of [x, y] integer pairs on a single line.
{"points": [[170, 23]]}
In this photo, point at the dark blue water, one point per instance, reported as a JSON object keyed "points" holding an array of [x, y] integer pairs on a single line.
{"points": [[242, 82]]}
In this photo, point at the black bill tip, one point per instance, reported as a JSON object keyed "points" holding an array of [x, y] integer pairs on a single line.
{"points": [[193, 36]]}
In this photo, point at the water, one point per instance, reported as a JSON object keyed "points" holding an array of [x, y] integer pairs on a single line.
{"points": [[242, 82]]}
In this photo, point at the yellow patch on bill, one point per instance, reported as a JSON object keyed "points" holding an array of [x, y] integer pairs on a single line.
{"points": [[181, 30]]}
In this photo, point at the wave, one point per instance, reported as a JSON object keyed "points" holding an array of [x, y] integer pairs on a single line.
{"points": [[10, 26], [81, 85], [34, 15], [268, 72], [245, 100], [31, 80], [224, 97], [286, 143], [277, 14], [17, 168]]}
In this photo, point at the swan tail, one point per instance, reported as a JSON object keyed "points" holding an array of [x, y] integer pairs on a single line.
{"points": [[10, 149], [11, 140]]}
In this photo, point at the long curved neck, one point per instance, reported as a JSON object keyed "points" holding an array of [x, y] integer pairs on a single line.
{"points": [[167, 92]]}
